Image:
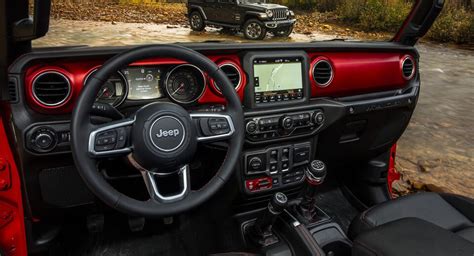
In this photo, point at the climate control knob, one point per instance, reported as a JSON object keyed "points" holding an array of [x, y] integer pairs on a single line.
{"points": [[286, 122]]}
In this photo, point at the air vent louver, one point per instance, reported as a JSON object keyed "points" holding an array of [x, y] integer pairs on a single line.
{"points": [[12, 90], [51, 88], [408, 68], [322, 73], [232, 73]]}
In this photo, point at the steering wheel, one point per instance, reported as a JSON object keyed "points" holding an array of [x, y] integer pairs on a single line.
{"points": [[160, 139]]}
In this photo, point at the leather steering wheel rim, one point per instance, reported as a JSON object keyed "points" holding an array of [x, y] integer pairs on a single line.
{"points": [[81, 128]]}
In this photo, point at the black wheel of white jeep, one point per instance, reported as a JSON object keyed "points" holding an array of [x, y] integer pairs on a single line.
{"points": [[196, 21], [284, 32], [254, 30]]}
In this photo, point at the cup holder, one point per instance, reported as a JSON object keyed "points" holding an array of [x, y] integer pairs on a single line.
{"points": [[337, 248]]}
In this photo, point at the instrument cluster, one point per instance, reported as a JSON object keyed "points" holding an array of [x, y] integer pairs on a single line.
{"points": [[182, 84]]}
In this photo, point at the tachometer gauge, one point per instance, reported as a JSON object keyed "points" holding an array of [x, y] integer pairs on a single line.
{"points": [[113, 91], [185, 83]]}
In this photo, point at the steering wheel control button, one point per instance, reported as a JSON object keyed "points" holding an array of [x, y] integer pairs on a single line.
{"points": [[105, 141], [218, 126], [167, 133], [121, 138]]}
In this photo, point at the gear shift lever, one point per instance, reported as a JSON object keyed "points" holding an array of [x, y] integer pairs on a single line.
{"points": [[261, 231], [315, 175]]}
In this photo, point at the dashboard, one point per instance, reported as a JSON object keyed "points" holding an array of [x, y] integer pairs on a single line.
{"points": [[300, 101], [261, 79]]}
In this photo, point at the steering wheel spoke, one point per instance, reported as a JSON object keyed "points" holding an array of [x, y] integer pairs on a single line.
{"points": [[213, 127], [151, 183], [110, 139]]}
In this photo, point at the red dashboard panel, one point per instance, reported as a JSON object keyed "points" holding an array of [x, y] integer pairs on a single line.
{"points": [[77, 71], [353, 73], [358, 73]]}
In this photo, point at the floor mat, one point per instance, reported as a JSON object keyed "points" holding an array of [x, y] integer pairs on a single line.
{"points": [[335, 204], [194, 234]]}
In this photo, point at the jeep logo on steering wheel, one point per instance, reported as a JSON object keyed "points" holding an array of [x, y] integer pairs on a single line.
{"points": [[167, 133], [172, 133]]}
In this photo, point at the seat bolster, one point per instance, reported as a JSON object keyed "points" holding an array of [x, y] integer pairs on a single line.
{"points": [[410, 236], [467, 233], [463, 204], [427, 206]]}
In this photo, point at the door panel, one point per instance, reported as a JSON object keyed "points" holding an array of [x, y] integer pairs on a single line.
{"points": [[12, 226]]}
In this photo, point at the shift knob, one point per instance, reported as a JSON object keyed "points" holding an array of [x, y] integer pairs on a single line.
{"points": [[278, 203], [261, 232], [316, 172], [275, 207]]}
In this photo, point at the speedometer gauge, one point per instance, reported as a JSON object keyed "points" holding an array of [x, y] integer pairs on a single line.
{"points": [[185, 84], [113, 91]]}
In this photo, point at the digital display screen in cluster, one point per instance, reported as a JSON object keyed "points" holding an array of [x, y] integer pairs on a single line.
{"points": [[144, 82]]}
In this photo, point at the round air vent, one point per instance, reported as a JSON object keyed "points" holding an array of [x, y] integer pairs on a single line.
{"points": [[408, 68], [51, 88], [232, 73], [322, 73]]}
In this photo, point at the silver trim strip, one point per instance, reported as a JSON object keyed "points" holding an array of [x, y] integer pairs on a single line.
{"points": [[215, 137], [51, 72], [105, 128], [155, 194]]}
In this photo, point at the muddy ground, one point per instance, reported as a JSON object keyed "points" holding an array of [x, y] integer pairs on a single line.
{"points": [[435, 153]]}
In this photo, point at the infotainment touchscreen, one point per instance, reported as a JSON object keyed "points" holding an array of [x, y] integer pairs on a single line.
{"points": [[278, 79], [143, 82]]}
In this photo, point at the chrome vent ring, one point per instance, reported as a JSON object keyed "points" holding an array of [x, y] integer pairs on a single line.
{"points": [[234, 75], [323, 73], [51, 88], [408, 68]]}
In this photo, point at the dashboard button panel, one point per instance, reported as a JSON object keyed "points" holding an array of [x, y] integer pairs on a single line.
{"points": [[278, 165], [270, 127]]}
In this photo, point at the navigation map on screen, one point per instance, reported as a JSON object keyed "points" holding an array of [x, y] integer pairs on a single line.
{"points": [[271, 77]]}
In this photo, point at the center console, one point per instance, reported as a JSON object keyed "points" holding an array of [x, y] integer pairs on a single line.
{"points": [[277, 87]]}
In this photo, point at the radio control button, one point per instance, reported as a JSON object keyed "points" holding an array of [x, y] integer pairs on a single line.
{"points": [[286, 123]]}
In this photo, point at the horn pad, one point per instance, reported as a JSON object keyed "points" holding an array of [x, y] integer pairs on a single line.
{"points": [[163, 137]]}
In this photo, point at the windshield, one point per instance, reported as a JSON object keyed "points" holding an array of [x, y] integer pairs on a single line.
{"points": [[132, 22]]}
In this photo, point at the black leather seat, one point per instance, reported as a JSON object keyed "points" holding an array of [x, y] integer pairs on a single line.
{"points": [[440, 219], [450, 212]]}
